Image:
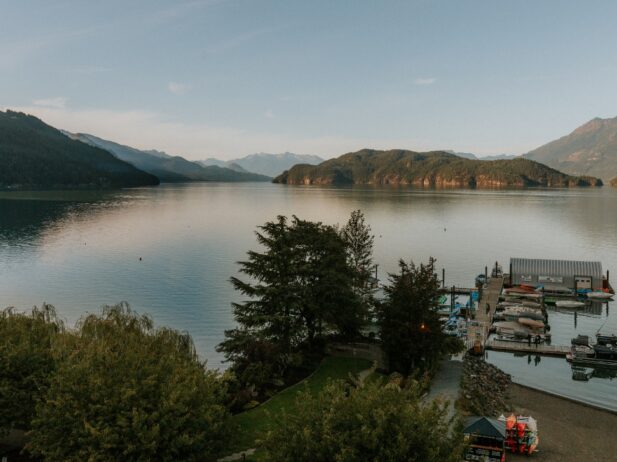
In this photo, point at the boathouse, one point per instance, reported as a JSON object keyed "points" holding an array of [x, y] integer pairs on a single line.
{"points": [[557, 274], [485, 439]]}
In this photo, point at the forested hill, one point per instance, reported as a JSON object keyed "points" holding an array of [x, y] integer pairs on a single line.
{"points": [[34, 155], [430, 169]]}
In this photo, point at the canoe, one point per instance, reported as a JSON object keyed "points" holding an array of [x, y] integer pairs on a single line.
{"points": [[528, 322], [569, 304]]}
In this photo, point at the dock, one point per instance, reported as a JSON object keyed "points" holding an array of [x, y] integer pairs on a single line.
{"points": [[478, 329], [524, 347]]}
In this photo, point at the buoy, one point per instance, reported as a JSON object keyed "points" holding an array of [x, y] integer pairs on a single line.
{"points": [[139, 258]]}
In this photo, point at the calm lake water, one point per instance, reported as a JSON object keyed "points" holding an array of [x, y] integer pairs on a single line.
{"points": [[82, 250]]}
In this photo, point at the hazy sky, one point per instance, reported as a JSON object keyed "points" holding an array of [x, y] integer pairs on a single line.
{"points": [[228, 78]]}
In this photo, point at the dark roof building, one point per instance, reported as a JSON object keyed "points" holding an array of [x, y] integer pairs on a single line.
{"points": [[485, 438]]}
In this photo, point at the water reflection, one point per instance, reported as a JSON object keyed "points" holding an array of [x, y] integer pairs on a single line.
{"points": [[80, 251]]}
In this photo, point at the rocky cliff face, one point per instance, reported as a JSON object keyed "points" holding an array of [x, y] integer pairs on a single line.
{"points": [[434, 169]]}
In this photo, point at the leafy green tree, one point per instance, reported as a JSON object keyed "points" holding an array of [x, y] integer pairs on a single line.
{"points": [[124, 390], [410, 329], [299, 289], [359, 239], [368, 423], [26, 363]]}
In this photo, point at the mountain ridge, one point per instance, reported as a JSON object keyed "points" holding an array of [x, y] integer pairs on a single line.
{"points": [[590, 149], [34, 155], [265, 163], [167, 167]]}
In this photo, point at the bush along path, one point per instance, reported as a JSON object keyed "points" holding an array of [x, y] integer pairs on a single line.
{"points": [[255, 422]]}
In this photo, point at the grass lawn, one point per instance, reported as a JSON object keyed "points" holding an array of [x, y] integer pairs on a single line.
{"points": [[264, 417]]}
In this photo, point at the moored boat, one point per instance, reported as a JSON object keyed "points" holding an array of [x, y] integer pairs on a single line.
{"points": [[569, 304], [599, 295]]}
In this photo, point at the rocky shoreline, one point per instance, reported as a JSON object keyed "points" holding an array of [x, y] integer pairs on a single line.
{"points": [[484, 388]]}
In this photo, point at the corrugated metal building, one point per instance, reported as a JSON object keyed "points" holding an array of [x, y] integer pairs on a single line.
{"points": [[569, 274]]}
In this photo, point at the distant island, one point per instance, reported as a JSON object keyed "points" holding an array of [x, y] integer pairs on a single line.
{"points": [[430, 169], [34, 155], [591, 149]]}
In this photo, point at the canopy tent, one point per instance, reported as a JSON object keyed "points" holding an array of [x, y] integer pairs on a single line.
{"points": [[485, 427]]}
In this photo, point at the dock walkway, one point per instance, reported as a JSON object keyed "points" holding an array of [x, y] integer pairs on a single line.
{"points": [[478, 329]]}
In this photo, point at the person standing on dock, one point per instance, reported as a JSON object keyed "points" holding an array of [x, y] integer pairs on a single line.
{"points": [[529, 339]]}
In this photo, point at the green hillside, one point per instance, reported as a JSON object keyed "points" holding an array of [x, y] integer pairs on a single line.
{"points": [[34, 155], [591, 149], [430, 169]]}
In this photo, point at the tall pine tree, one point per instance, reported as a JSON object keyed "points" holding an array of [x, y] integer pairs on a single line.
{"points": [[411, 332], [299, 289], [359, 239]]}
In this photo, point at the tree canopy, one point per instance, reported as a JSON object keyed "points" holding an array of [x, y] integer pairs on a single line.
{"points": [[124, 390], [299, 289], [26, 363], [410, 330], [367, 423]]}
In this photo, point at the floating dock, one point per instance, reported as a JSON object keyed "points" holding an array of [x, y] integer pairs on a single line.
{"points": [[524, 347]]}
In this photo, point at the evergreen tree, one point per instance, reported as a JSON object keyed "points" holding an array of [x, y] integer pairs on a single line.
{"points": [[411, 332], [300, 288], [359, 239]]}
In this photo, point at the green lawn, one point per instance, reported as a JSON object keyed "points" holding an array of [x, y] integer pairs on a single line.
{"points": [[262, 418]]}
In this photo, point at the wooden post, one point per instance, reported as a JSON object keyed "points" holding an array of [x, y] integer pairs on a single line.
{"points": [[486, 273], [443, 277], [452, 299], [510, 273]]}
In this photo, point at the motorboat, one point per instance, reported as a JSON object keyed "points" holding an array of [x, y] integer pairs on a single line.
{"points": [[599, 295], [513, 313], [602, 353]]}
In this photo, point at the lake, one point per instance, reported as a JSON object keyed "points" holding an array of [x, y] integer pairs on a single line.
{"points": [[170, 250]]}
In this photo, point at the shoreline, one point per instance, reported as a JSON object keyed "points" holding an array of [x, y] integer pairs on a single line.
{"points": [[569, 431], [556, 395]]}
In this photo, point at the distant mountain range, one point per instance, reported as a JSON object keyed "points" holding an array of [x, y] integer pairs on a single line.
{"points": [[429, 169], [168, 168], [265, 164], [591, 149], [469, 155], [34, 155]]}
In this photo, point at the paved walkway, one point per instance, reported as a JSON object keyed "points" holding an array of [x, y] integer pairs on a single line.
{"points": [[446, 383]]}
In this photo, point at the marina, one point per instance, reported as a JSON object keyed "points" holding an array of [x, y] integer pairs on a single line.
{"points": [[518, 320]]}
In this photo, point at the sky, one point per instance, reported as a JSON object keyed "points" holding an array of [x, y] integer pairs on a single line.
{"points": [[215, 78]]}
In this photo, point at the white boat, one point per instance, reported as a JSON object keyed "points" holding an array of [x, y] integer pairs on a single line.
{"points": [[569, 304], [600, 295]]}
